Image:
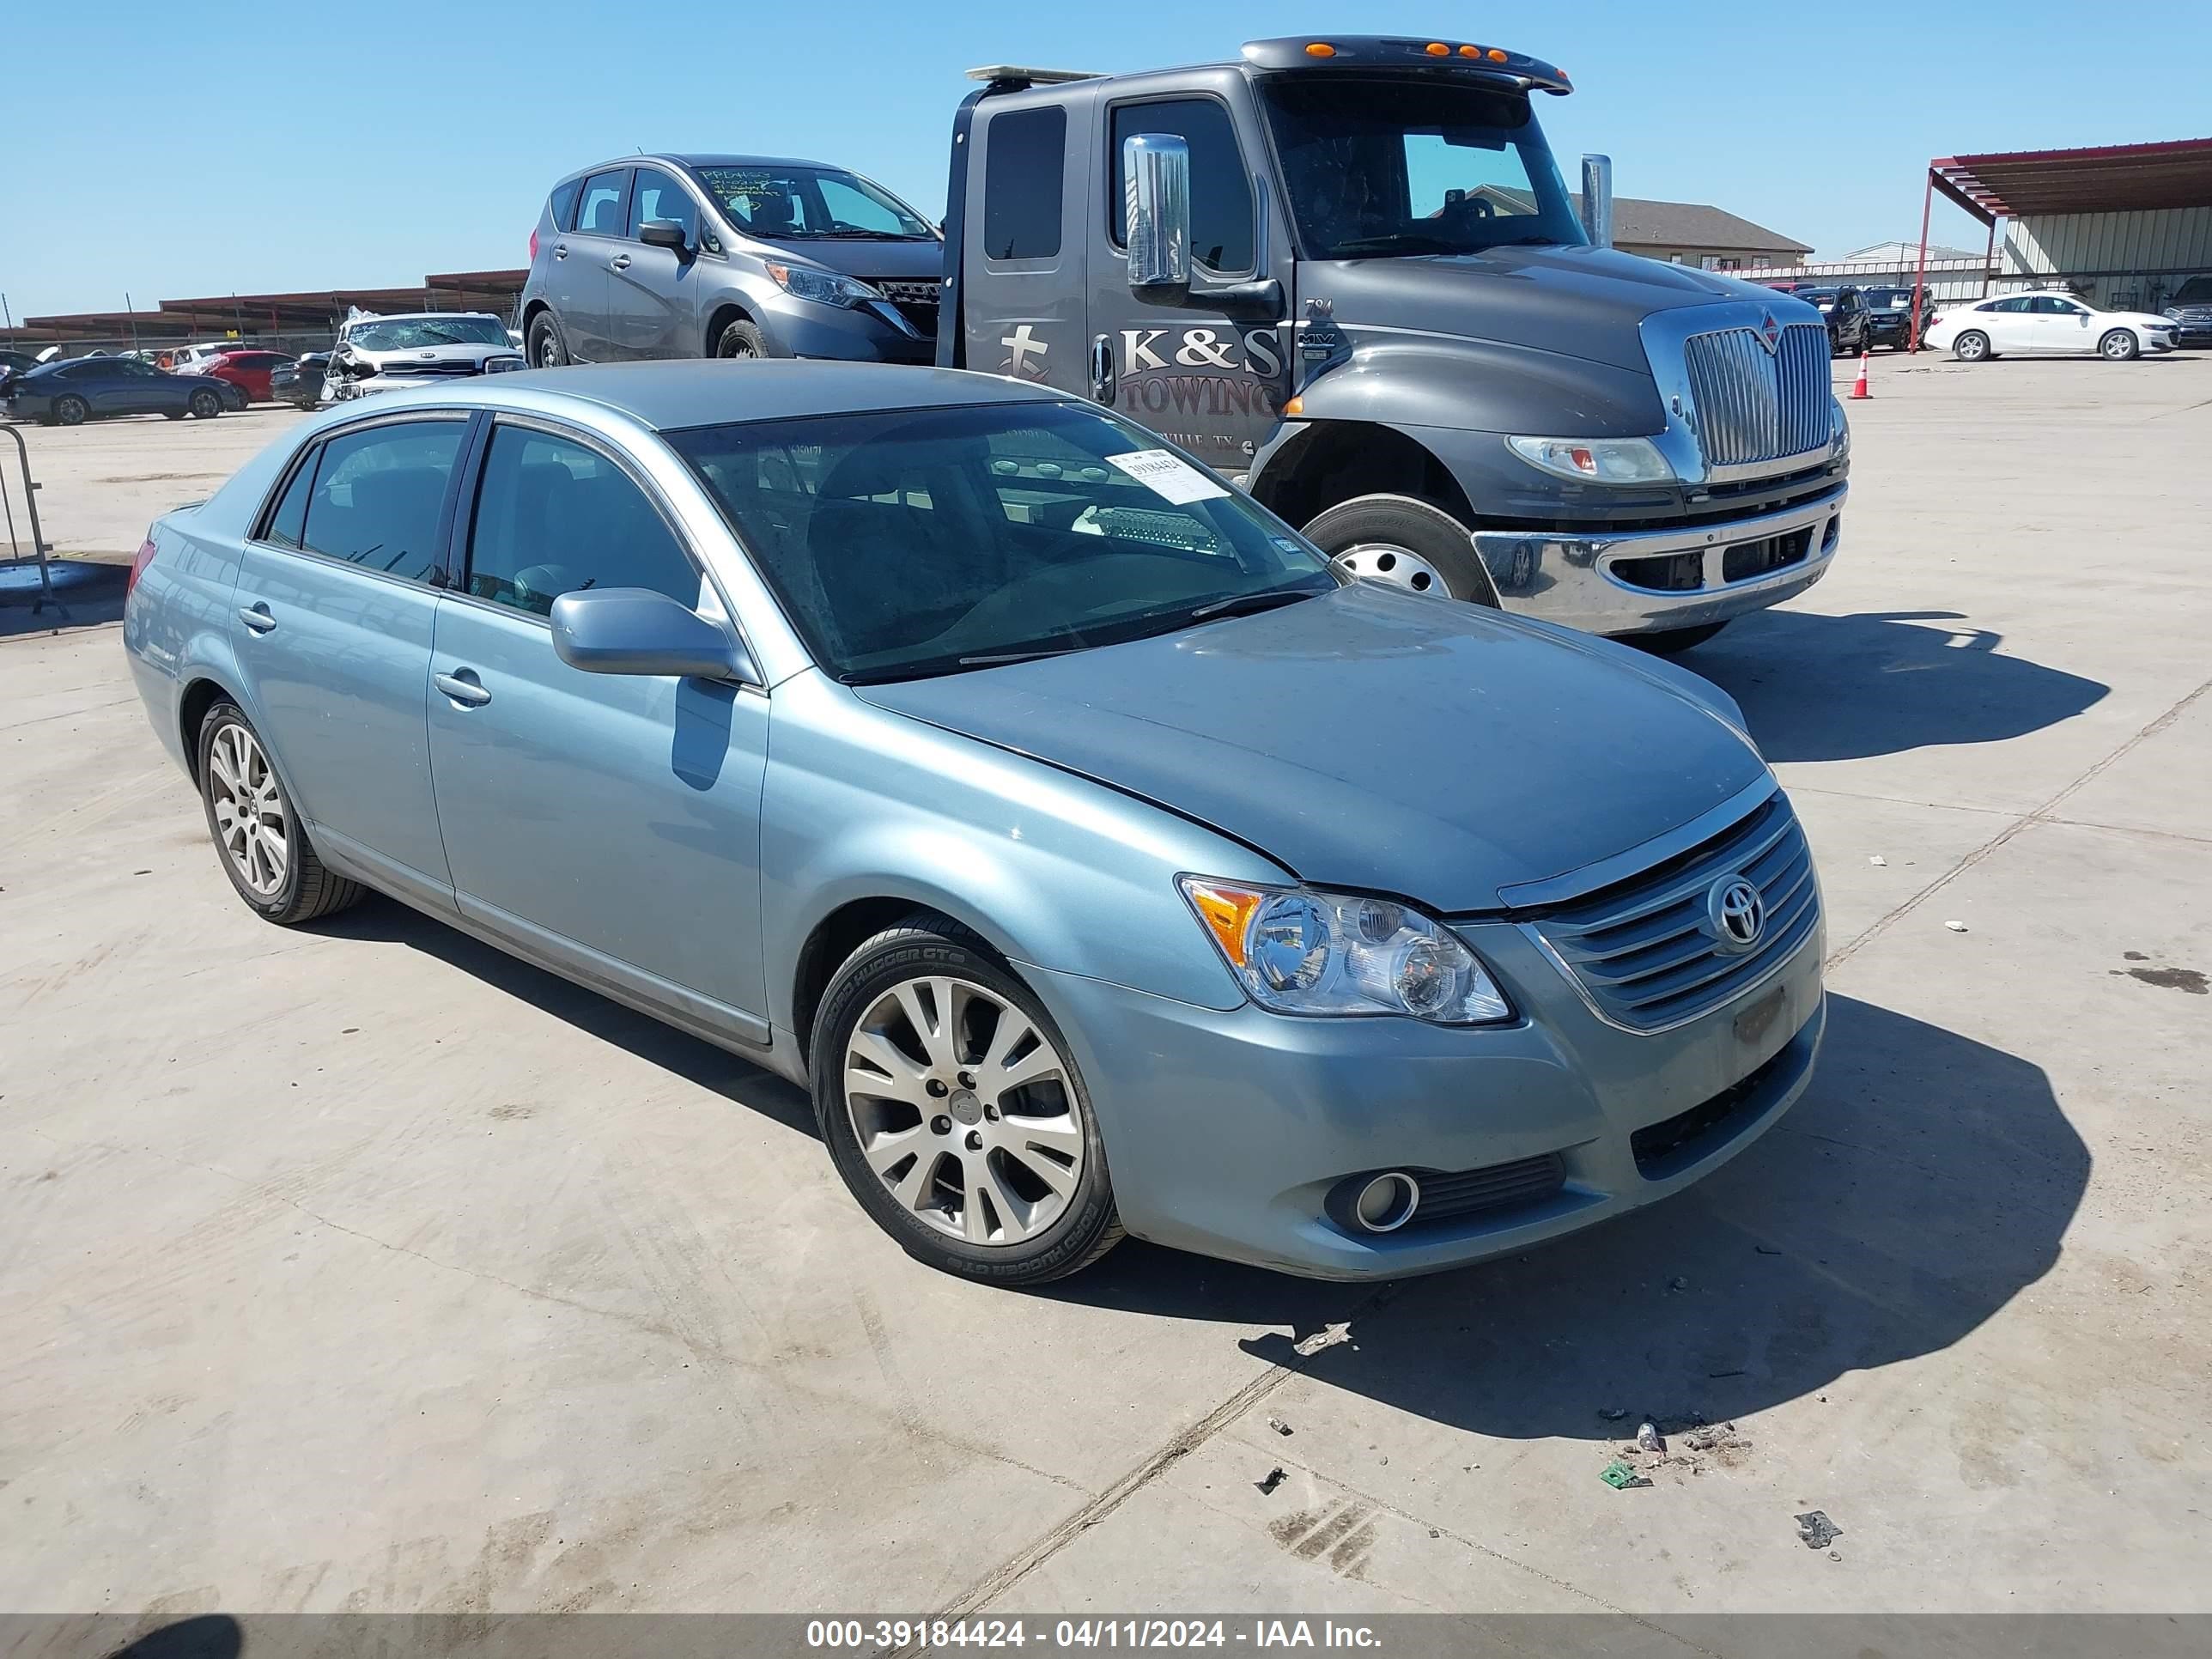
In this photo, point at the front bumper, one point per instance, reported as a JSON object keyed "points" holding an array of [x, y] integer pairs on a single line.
{"points": [[1644, 581], [1227, 1132]]}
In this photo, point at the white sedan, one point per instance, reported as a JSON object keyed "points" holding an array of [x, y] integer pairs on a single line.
{"points": [[2024, 323]]}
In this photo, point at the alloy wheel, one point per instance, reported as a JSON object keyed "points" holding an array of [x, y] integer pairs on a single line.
{"points": [[962, 1106], [249, 811], [1399, 566]]}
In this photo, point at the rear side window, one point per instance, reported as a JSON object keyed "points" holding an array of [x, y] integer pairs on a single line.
{"points": [[1220, 184], [554, 516], [378, 494], [564, 203], [600, 213], [1023, 168]]}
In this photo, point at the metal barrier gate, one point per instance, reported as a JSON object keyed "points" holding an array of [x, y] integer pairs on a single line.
{"points": [[30, 518]]}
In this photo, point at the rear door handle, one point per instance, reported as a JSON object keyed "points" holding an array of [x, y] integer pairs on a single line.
{"points": [[462, 687], [560, 250], [620, 262], [257, 617]]}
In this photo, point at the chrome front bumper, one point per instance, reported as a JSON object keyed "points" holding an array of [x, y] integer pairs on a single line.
{"points": [[1579, 581]]}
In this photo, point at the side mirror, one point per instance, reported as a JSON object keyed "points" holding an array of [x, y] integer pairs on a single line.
{"points": [[635, 630], [1156, 216], [664, 232], [1597, 200]]}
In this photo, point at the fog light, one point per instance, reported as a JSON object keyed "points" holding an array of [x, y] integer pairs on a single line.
{"points": [[1388, 1202]]}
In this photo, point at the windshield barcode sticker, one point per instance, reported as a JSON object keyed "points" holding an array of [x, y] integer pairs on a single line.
{"points": [[1167, 475]]}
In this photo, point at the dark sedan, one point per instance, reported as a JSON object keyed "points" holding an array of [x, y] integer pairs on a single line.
{"points": [[83, 389], [299, 383]]}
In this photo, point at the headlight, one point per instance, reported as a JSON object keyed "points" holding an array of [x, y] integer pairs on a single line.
{"points": [[1839, 430], [1300, 951], [504, 365], [824, 287], [1597, 460]]}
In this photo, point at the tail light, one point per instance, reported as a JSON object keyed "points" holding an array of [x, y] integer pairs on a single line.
{"points": [[143, 557], [533, 245]]}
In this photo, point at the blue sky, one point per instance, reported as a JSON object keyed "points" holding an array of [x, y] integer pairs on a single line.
{"points": [[285, 146]]}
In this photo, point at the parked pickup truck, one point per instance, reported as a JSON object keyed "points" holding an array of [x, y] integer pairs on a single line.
{"points": [[1345, 270]]}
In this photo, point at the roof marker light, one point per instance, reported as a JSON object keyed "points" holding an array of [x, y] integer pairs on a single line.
{"points": [[1320, 48], [1495, 56], [1437, 49], [1470, 51]]}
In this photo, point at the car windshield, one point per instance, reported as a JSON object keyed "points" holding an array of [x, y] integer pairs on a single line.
{"points": [[2196, 291], [1390, 164], [1889, 299], [782, 203], [418, 333], [910, 543]]}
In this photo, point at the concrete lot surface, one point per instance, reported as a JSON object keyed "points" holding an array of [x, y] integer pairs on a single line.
{"points": [[362, 1267]]}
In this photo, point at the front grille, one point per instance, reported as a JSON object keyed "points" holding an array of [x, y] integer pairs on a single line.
{"points": [[464, 365], [1661, 1148], [1646, 950], [1755, 404], [914, 297]]}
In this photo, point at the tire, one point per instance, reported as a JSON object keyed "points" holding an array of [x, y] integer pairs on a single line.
{"points": [[1972, 346], [71, 411], [304, 888], [205, 405], [741, 339], [549, 347], [2119, 345], [959, 994], [173, 413], [1673, 641], [1405, 542]]}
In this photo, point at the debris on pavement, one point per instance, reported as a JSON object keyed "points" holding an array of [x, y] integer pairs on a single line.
{"points": [[1618, 1476], [1767, 1250], [1274, 1480], [1278, 1426], [1817, 1531], [1876, 858], [1327, 1337], [1956, 926], [1647, 1437]]}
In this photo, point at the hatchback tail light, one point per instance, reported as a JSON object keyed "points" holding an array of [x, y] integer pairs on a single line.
{"points": [[138, 563], [533, 245]]}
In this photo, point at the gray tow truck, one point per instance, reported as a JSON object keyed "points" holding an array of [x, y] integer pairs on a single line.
{"points": [[1346, 271]]}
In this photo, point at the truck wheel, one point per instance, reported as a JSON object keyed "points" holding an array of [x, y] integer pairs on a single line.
{"points": [[1405, 543], [1971, 347], [741, 339], [1671, 640]]}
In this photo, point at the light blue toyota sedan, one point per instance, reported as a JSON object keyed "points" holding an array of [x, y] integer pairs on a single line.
{"points": [[1097, 856]]}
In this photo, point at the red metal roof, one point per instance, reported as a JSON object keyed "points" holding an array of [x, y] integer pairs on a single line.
{"points": [[2112, 179]]}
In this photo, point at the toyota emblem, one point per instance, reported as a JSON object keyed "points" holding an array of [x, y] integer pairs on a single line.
{"points": [[1738, 916]]}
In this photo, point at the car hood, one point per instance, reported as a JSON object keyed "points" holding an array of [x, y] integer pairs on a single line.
{"points": [[1577, 301], [867, 258], [1375, 739]]}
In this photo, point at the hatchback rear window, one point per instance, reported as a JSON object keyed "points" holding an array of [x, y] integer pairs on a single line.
{"points": [[564, 204]]}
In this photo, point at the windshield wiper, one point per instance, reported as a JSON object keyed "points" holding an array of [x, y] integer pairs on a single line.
{"points": [[992, 659], [1250, 605], [872, 235], [1407, 241]]}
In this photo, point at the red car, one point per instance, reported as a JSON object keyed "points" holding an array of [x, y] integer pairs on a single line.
{"points": [[248, 369]]}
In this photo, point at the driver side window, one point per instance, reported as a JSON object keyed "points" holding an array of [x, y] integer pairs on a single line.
{"points": [[1220, 183]]}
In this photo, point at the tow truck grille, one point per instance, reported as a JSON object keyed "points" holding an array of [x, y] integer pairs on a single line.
{"points": [[1644, 950], [1755, 404]]}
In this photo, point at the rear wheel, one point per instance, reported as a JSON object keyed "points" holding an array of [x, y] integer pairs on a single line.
{"points": [[741, 339], [954, 1112], [71, 411], [1972, 346], [2118, 346], [547, 349], [263, 846], [205, 405], [1670, 641], [1405, 543]]}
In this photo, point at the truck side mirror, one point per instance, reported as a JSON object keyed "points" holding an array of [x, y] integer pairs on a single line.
{"points": [[1157, 216], [1597, 200]]}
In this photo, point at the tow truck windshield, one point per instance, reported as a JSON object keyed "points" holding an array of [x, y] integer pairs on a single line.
{"points": [[1381, 165]]}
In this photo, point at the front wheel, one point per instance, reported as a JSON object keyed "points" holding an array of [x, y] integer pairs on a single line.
{"points": [[1405, 543], [741, 339], [1972, 346], [954, 1112], [258, 834], [2119, 346], [205, 405], [1672, 641]]}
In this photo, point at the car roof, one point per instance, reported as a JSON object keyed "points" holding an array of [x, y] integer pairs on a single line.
{"points": [[670, 395], [670, 158]]}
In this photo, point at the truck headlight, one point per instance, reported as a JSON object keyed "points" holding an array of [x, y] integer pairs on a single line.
{"points": [[1297, 951], [823, 287], [1839, 430], [1597, 460]]}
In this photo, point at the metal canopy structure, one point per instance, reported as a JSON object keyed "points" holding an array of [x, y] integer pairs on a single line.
{"points": [[2034, 182], [218, 316]]}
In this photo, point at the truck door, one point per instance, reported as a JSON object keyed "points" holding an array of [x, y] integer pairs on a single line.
{"points": [[1023, 246], [1213, 386]]}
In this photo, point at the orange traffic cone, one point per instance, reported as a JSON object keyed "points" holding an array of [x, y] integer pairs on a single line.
{"points": [[1859, 386]]}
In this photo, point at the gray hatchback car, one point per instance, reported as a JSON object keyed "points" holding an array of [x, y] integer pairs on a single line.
{"points": [[1096, 857], [729, 256]]}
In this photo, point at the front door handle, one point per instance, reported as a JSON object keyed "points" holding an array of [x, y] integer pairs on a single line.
{"points": [[1102, 370], [257, 617], [620, 262], [462, 687]]}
